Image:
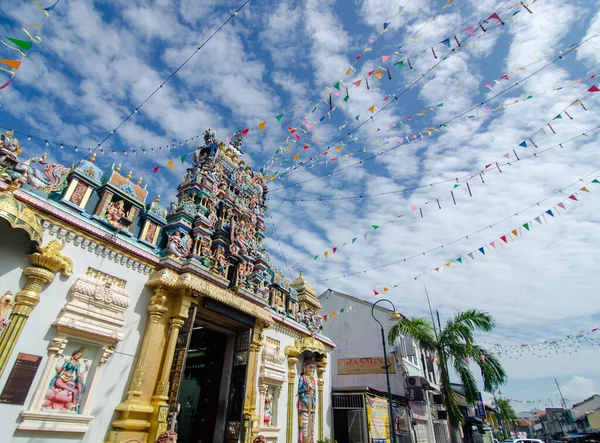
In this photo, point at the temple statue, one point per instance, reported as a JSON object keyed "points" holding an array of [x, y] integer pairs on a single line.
{"points": [[307, 401]]}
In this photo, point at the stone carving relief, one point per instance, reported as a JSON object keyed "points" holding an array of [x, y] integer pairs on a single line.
{"points": [[88, 327]]}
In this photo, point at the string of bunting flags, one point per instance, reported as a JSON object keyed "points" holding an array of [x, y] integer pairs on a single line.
{"points": [[478, 31], [11, 65], [569, 344], [414, 137], [429, 131], [435, 202], [492, 246], [334, 314]]}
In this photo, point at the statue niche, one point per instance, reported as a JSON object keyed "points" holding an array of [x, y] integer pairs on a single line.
{"points": [[307, 401]]}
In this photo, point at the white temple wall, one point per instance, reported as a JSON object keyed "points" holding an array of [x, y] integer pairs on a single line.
{"points": [[38, 331]]}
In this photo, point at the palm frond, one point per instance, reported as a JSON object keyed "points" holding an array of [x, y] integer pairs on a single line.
{"points": [[450, 399], [474, 319], [492, 372], [419, 329], [467, 379]]}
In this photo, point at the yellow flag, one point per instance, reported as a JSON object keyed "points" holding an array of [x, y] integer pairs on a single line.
{"points": [[338, 149], [372, 109], [515, 233], [348, 71], [262, 125], [296, 155], [385, 289], [170, 163], [377, 74], [326, 253], [422, 112]]}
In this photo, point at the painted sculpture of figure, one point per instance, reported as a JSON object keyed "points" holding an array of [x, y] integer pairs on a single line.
{"points": [[9, 148], [179, 246], [65, 388], [220, 261], [167, 437], [6, 304], [268, 409], [307, 400], [115, 213]]}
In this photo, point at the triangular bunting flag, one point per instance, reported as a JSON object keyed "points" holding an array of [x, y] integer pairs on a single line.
{"points": [[385, 25], [335, 250], [375, 227], [595, 181], [584, 189], [446, 42], [537, 219], [20, 43], [559, 116], [400, 64], [183, 158], [594, 88], [36, 26], [12, 63], [549, 212], [315, 257], [372, 109], [156, 168], [572, 197], [326, 254], [526, 226], [384, 58], [503, 238], [357, 83], [561, 205], [296, 155], [51, 7], [515, 232], [377, 74], [470, 30], [279, 117], [6, 84], [357, 117], [385, 289], [470, 254], [523, 144], [459, 259], [482, 250], [354, 239], [170, 163], [262, 125], [245, 132], [365, 235], [375, 292], [337, 85]]}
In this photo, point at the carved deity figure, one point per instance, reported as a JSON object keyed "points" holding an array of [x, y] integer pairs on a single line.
{"points": [[65, 388], [9, 149], [115, 212], [179, 246], [307, 401], [220, 261], [6, 304], [167, 437], [268, 417]]}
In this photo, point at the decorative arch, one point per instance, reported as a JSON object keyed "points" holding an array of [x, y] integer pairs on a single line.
{"points": [[19, 216]]}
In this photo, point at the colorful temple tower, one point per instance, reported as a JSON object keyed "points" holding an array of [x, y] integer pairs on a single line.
{"points": [[127, 321]]}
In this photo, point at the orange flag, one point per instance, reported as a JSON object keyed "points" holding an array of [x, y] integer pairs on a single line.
{"points": [[377, 74], [12, 63], [262, 125], [372, 109], [170, 163]]}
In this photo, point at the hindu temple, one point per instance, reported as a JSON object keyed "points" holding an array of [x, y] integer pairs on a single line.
{"points": [[124, 318]]}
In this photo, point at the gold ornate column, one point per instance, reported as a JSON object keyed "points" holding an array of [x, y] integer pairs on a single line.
{"points": [[292, 358], [321, 365], [159, 420], [251, 375], [134, 413], [46, 263]]}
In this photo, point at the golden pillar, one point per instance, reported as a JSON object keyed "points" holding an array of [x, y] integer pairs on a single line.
{"points": [[321, 366], [292, 358], [159, 420], [46, 263], [251, 372], [135, 411]]}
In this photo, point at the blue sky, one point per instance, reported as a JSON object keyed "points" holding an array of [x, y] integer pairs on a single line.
{"points": [[97, 61]]}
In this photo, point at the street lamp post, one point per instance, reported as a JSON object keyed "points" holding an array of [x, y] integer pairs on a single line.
{"points": [[395, 316]]}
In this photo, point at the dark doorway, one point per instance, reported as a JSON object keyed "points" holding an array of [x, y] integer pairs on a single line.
{"points": [[200, 386]]}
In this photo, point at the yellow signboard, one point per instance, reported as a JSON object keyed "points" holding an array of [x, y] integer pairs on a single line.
{"points": [[364, 365]]}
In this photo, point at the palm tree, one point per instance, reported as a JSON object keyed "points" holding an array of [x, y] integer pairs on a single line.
{"points": [[507, 414], [455, 345]]}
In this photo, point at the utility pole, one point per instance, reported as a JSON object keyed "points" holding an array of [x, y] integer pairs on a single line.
{"points": [[565, 406]]}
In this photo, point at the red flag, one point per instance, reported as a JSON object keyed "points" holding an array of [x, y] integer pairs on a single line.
{"points": [[292, 130], [245, 132], [298, 137], [156, 168], [6, 84], [496, 16], [306, 146], [572, 197], [488, 165], [470, 30], [386, 98], [358, 56], [371, 72], [594, 88], [505, 77], [335, 250], [503, 238], [375, 292], [357, 83]]}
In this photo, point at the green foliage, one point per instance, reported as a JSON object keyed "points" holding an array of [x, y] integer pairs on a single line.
{"points": [[326, 440], [455, 345]]}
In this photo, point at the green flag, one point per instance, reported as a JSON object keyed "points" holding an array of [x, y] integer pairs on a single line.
{"points": [[279, 117], [357, 117], [595, 181], [346, 98], [21, 43], [526, 226], [557, 117], [375, 227], [456, 185], [337, 86], [400, 64], [439, 106], [183, 159], [459, 259]]}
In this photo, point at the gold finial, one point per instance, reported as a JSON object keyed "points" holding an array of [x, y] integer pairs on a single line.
{"points": [[129, 174], [242, 163], [93, 158], [118, 168], [157, 199], [300, 272], [139, 182]]}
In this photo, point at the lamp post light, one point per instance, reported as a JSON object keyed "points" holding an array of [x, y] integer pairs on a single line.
{"points": [[395, 316]]}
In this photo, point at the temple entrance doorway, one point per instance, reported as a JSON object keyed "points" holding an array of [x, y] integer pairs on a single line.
{"points": [[209, 373]]}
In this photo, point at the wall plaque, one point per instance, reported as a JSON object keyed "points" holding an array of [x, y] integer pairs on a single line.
{"points": [[20, 379], [364, 365]]}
